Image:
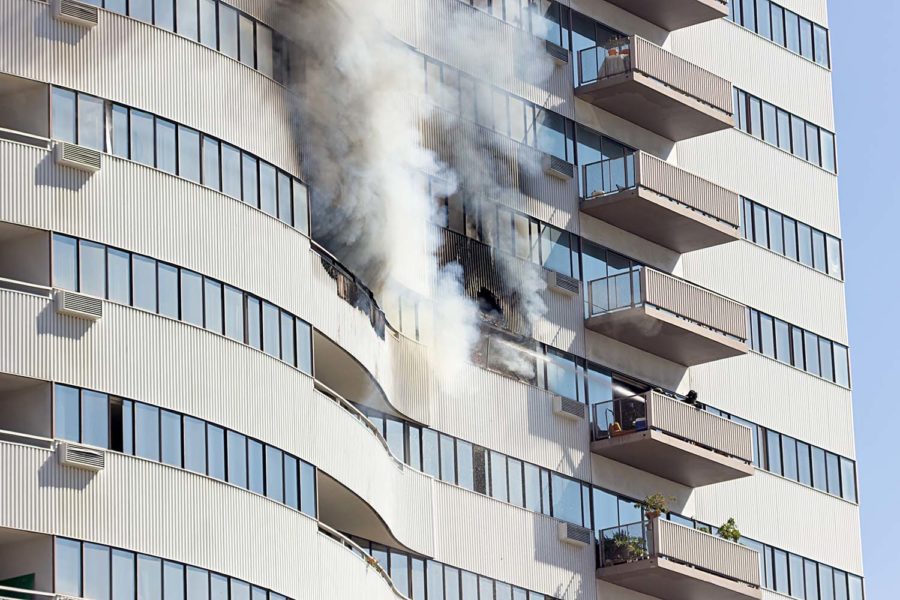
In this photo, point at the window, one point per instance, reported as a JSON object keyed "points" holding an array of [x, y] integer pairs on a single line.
{"points": [[95, 419], [119, 275], [186, 17], [773, 452], [308, 489], [123, 569], [834, 477], [144, 282], [68, 567], [167, 279], [209, 33], [254, 323], [848, 479], [247, 50], [166, 152], [67, 413], [194, 446], [142, 138], [792, 31], [784, 129], [215, 448], [146, 431], [192, 297], [255, 472], [234, 313], [291, 482], [171, 438], [231, 171], [92, 268], [789, 456], [820, 473], [228, 30], [119, 134], [189, 154], [778, 25], [91, 127], [237, 459], [173, 581], [164, 14], [212, 305], [270, 327], [250, 180], [149, 578], [62, 115], [566, 494], [264, 52], [274, 474]]}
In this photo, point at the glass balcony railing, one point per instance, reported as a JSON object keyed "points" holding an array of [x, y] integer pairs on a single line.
{"points": [[614, 292], [608, 176], [618, 417], [606, 60], [625, 544]]}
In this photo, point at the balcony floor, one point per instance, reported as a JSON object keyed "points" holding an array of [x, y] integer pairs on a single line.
{"points": [[664, 334], [670, 580], [654, 217], [671, 458], [674, 14], [655, 106]]}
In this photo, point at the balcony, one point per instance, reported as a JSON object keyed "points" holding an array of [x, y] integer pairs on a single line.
{"points": [[651, 87], [675, 14], [659, 202], [672, 439], [666, 316], [673, 562]]}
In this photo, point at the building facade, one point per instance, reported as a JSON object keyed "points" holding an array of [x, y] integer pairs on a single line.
{"points": [[212, 385]]}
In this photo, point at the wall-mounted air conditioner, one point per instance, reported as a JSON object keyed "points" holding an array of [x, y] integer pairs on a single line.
{"points": [[563, 284], [76, 13], [559, 54], [568, 408], [81, 457], [557, 167], [574, 535], [77, 157], [78, 305]]}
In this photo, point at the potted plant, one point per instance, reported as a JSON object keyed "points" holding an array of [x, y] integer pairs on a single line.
{"points": [[729, 531], [622, 548], [655, 505]]}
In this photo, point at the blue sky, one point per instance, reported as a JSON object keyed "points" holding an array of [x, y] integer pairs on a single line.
{"points": [[866, 88]]}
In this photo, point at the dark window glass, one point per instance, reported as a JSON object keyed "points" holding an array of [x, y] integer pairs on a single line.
{"points": [[234, 313], [91, 127], [848, 479], [228, 30], [167, 277], [254, 323], [67, 413], [92, 268], [430, 453], [566, 494], [798, 135], [778, 25], [123, 584], [291, 482], [165, 146], [789, 456], [790, 238], [146, 431], [189, 154], [209, 33], [194, 445], [274, 474], [164, 14], [212, 305], [63, 115], [804, 239], [308, 489], [247, 49], [811, 345], [142, 137], [215, 440], [119, 275], [285, 206], [95, 418], [192, 297], [792, 31], [516, 486], [834, 475], [271, 338], [304, 346], [804, 464], [773, 451], [171, 438], [782, 341], [211, 175], [819, 472], [288, 344], [237, 459], [119, 134], [268, 200], [65, 262], [256, 474], [144, 272], [231, 171], [186, 16]]}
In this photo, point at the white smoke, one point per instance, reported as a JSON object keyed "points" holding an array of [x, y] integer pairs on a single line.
{"points": [[358, 95]]}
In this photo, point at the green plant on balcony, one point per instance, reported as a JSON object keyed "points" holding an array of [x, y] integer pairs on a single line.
{"points": [[623, 548], [729, 531], [655, 505]]}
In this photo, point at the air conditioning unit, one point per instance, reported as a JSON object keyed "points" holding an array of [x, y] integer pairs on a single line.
{"points": [[81, 457], [563, 284], [574, 535], [568, 408], [78, 305], [559, 54], [76, 13], [77, 157], [557, 167]]}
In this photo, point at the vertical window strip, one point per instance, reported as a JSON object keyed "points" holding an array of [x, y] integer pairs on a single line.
{"points": [[784, 27]]}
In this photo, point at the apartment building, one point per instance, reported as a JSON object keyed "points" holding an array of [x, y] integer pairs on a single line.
{"points": [[208, 390]]}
